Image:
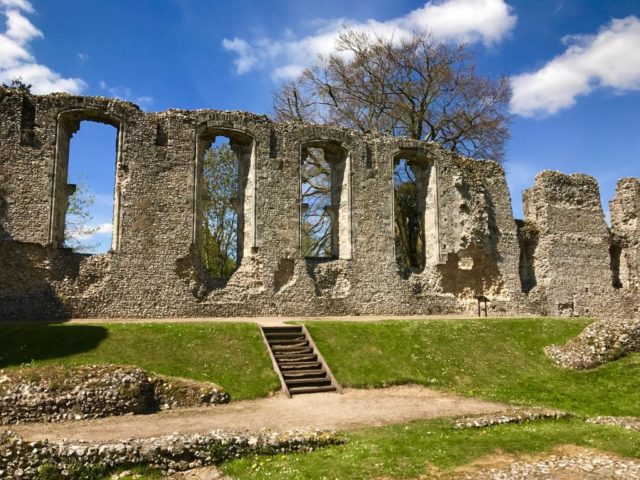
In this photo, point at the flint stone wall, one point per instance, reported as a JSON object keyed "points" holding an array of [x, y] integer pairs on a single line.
{"points": [[94, 391], [153, 270], [22, 460]]}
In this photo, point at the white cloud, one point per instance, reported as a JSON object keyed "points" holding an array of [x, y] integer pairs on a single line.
{"points": [[611, 58], [20, 28], [125, 93], [17, 62], [93, 231], [17, 4], [84, 57], [486, 21], [245, 60]]}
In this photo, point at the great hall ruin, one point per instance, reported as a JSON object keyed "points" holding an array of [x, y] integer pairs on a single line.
{"points": [[561, 259]]}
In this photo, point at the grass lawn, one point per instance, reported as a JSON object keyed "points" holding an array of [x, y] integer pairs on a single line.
{"points": [[498, 359], [232, 355], [409, 450]]}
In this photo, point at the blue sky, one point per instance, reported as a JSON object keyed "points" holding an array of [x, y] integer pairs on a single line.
{"points": [[574, 65]]}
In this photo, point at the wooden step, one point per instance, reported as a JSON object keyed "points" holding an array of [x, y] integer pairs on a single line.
{"points": [[300, 366], [290, 347], [287, 329], [293, 341], [293, 351], [319, 372], [286, 335], [311, 382], [299, 390], [320, 375], [301, 357]]}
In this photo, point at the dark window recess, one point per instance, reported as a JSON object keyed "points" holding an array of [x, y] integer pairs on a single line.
{"points": [[28, 123], [615, 254], [161, 136]]}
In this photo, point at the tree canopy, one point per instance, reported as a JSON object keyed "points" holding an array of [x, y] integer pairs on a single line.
{"points": [[415, 87]]}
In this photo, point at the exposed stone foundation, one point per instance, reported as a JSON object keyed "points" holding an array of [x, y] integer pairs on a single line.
{"points": [[562, 259], [22, 460], [50, 394], [602, 341]]}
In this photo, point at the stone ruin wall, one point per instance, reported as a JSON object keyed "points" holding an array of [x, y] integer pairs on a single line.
{"points": [[562, 259]]}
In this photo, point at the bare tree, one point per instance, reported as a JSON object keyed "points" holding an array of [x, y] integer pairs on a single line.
{"points": [[409, 228], [414, 87], [316, 201]]}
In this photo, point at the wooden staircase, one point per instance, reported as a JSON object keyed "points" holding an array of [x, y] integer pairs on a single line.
{"points": [[297, 361]]}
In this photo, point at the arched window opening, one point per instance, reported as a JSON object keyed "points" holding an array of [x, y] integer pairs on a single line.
{"points": [[84, 213], [325, 227], [409, 208], [225, 217]]}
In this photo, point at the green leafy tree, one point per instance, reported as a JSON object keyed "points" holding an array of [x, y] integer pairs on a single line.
{"points": [[19, 85], [78, 220], [219, 226]]}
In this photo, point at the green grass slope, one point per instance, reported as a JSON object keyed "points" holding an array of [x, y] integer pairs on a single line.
{"points": [[498, 359], [232, 355]]}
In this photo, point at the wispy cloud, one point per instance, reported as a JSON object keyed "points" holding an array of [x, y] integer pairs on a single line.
{"points": [[125, 93], [486, 21], [93, 231], [609, 59], [15, 59]]}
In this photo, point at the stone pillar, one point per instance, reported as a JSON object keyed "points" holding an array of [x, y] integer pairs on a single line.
{"points": [[571, 259]]}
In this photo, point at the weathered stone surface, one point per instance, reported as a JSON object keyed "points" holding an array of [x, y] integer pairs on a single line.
{"points": [[566, 250], [600, 342], [80, 460], [52, 394], [625, 224], [473, 245], [513, 415]]}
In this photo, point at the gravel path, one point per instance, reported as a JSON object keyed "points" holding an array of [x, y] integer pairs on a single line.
{"points": [[564, 463], [353, 409]]}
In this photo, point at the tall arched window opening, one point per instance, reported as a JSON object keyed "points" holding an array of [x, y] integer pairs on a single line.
{"points": [[415, 211], [325, 223], [226, 201], [85, 196], [409, 215]]}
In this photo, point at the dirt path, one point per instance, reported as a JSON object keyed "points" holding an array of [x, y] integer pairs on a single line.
{"points": [[353, 409]]}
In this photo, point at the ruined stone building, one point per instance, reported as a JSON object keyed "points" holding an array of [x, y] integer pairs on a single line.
{"points": [[561, 259]]}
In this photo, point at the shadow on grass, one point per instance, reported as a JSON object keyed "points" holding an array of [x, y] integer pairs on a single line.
{"points": [[21, 344]]}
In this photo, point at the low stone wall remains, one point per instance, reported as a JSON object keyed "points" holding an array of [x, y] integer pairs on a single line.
{"points": [[24, 460], [602, 341], [76, 393]]}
